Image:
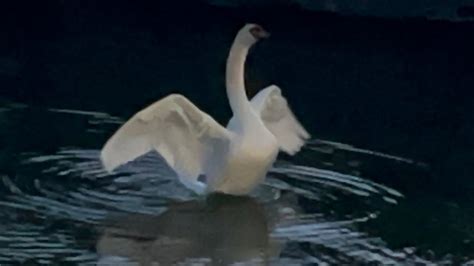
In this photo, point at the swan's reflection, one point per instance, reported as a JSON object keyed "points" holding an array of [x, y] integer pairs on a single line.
{"points": [[220, 230]]}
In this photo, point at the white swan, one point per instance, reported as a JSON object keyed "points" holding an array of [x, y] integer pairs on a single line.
{"points": [[234, 160]]}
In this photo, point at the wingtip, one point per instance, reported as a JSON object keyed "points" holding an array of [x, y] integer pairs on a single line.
{"points": [[306, 135], [295, 147], [106, 163]]}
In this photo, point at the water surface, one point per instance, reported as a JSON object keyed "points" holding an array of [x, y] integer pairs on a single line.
{"points": [[332, 203]]}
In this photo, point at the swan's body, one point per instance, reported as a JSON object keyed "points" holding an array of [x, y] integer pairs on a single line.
{"points": [[234, 160]]}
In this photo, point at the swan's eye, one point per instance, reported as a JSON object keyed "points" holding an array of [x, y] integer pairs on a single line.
{"points": [[259, 33]]}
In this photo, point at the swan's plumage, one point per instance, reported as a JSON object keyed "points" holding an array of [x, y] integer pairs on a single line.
{"points": [[186, 137], [279, 119], [234, 159]]}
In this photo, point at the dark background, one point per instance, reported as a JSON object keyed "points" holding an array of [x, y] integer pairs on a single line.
{"points": [[397, 78]]}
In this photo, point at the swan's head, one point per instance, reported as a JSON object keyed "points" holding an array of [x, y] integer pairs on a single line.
{"points": [[251, 33]]}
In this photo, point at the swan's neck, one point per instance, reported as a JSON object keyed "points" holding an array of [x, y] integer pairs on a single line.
{"points": [[235, 83]]}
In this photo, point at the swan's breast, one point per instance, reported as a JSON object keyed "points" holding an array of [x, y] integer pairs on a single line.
{"points": [[247, 166]]}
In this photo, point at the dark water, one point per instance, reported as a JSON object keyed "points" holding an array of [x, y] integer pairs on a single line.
{"points": [[332, 203], [386, 179]]}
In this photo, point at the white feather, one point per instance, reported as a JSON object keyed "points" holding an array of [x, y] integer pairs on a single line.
{"points": [[185, 136], [279, 119]]}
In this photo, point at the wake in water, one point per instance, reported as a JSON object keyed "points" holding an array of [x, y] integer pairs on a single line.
{"points": [[65, 208]]}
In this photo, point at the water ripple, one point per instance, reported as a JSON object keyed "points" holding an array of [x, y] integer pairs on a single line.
{"points": [[140, 188], [72, 210]]}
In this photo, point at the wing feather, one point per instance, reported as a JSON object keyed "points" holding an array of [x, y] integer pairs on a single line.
{"points": [[185, 137], [279, 119]]}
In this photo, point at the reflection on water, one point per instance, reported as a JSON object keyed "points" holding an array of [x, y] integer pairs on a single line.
{"points": [[58, 205], [222, 230]]}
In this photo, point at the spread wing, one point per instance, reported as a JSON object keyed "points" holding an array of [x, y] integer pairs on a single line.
{"points": [[279, 119], [186, 137]]}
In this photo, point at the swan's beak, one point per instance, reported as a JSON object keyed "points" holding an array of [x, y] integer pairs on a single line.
{"points": [[259, 33], [263, 34]]}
